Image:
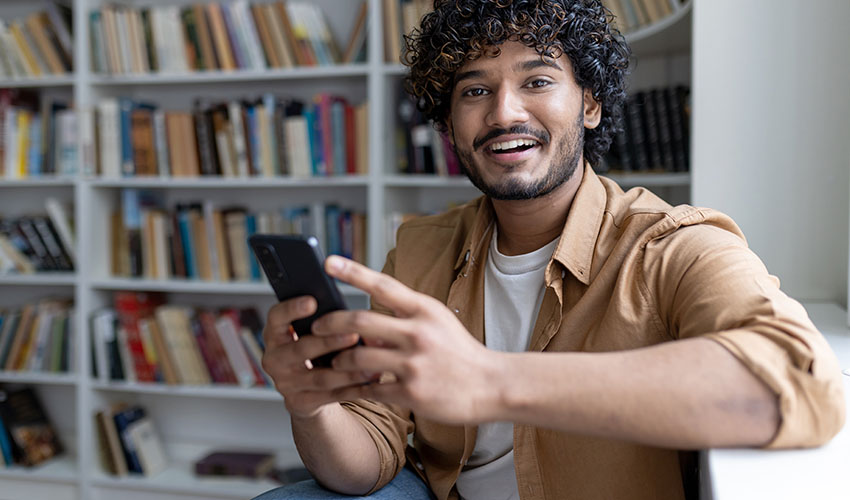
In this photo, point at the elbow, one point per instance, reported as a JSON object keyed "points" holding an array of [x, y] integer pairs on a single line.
{"points": [[813, 413]]}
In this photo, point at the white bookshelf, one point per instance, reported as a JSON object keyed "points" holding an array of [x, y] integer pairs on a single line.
{"points": [[194, 420]]}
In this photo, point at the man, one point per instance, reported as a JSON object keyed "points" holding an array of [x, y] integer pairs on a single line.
{"points": [[557, 338]]}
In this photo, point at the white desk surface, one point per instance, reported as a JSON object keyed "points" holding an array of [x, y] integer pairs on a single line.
{"points": [[818, 474]]}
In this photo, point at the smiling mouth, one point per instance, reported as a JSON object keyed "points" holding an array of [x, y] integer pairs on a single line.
{"points": [[513, 146]]}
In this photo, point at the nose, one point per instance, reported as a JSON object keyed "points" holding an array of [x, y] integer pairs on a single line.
{"points": [[506, 109]]}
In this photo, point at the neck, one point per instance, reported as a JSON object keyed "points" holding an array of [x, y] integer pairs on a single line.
{"points": [[526, 225]]}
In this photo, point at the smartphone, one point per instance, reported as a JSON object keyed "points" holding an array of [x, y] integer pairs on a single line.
{"points": [[294, 265]]}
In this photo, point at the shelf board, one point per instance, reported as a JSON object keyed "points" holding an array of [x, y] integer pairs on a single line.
{"points": [[426, 180], [180, 478], [38, 82], [62, 469], [198, 286], [230, 182], [39, 279], [199, 391], [30, 377], [397, 69], [650, 179], [350, 70], [37, 182]]}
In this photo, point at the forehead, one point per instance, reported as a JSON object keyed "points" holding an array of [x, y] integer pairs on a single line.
{"points": [[513, 57]]}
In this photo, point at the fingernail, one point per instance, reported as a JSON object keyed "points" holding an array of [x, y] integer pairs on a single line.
{"points": [[335, 263], [304, 305]]}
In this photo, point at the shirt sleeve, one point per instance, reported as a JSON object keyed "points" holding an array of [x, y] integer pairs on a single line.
{"points": [[387, 425], [708, 283]]}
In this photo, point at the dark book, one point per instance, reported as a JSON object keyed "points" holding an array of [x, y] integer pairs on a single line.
{"points": [[7, 334], [145, 17], [5, 445], [650, 125], [124, 417], [142, 141], [665, 142], [278, 122], [235, 463], [28, 232], [52, 242], [678, 127], [250, 318], [193, 44], [208, 154], [33, 438], [637, 136]]}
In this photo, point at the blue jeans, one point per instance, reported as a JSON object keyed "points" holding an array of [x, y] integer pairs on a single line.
{"points": [[405, 486]]}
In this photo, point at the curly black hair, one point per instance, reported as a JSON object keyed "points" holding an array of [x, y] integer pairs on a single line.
{"points": [[461, 30]]}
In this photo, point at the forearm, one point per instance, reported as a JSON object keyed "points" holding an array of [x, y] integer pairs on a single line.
{"points": [[337, 450], [686, 394]]}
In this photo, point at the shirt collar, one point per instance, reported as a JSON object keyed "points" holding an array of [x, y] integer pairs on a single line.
{"points": [[581, 231], [578, 239]]}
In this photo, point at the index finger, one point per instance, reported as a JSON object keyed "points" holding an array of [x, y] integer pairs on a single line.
{"points": [[384, 289]]}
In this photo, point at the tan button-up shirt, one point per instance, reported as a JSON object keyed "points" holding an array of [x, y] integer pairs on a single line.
{"points": [[630, 271]]}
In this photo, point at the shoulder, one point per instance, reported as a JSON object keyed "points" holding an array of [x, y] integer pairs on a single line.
{"points": [[432, 235]]}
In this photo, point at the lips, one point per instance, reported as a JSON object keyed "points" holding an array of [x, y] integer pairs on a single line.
{"points": [[511, 151]]}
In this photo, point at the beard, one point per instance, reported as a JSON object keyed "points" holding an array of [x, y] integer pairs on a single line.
{"points": [[561, 169]]}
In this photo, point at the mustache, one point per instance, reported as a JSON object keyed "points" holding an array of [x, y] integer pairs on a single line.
{"points": [[541, 136]]}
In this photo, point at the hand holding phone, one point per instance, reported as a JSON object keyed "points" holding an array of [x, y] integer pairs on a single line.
{"points": [[294, 265]]}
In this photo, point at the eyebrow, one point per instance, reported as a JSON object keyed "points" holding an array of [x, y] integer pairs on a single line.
{"points": [[523, 66]]}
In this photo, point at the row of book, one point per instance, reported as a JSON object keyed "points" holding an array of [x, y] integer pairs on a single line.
{"points": [[128, 441], [27, 436], [143, 339], [655, 135], [197, 240], [37, 337], [633, 14], [267, 136], [230, 35], [34, 243], [400, 17], [419, 147], [37, 135], [38, 44]]}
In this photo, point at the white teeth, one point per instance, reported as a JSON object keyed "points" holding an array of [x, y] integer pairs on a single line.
{"points": [[512, 144]]}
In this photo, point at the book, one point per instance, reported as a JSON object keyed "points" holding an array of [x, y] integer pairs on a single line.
{"points": [[148, 446], [174, 321], [124, 417], [32, 436], [112, 453], [355, 48], [252, 464]]}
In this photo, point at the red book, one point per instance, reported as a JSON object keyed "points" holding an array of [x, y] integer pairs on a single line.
{"points": [[350, 140], [130, 308], [233, 316], [222, 371], [206, 351]]}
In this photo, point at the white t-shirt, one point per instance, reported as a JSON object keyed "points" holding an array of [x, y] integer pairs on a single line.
{"points": [[513, 292]]}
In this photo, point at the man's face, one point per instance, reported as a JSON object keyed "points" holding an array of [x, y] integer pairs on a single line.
{"points": [[518, 124]]}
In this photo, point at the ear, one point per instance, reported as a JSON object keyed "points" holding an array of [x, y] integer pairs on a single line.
{"points": [[592, 110], [450, 132]]}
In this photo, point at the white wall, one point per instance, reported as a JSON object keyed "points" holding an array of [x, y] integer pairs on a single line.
{"points": [[771, 133]]}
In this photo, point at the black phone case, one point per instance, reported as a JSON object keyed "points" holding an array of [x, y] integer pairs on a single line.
{"points": [[294, 265]]}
